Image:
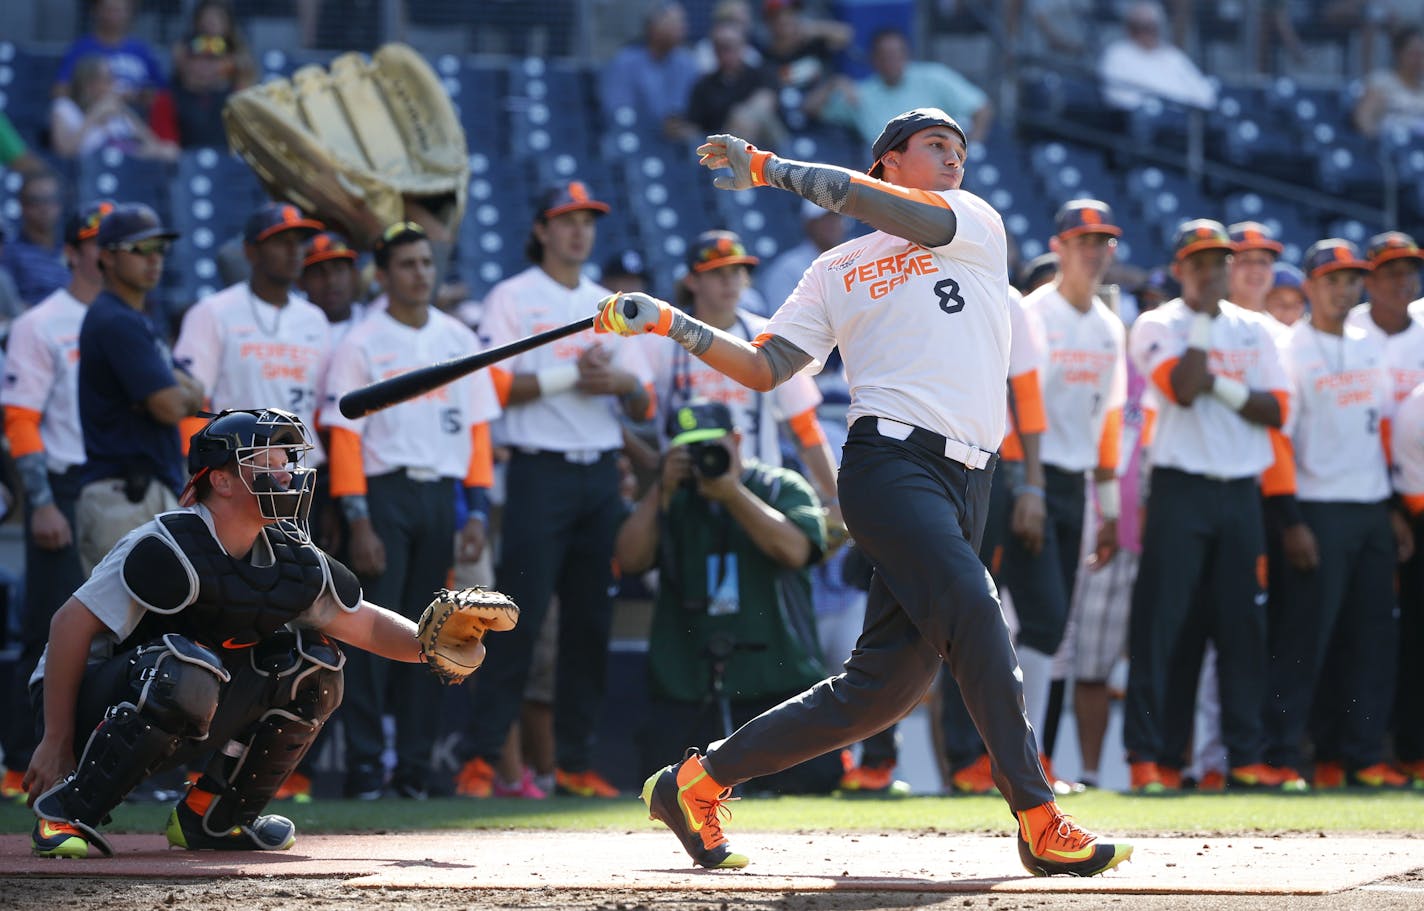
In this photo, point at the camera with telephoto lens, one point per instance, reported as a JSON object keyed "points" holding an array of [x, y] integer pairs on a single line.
{"points": [[710, 459]]}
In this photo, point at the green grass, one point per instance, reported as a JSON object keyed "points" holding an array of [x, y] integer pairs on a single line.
{"points": [[1401, 813]]}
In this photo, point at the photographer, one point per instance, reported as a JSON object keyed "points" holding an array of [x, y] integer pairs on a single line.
{"points": [[733, 630]]}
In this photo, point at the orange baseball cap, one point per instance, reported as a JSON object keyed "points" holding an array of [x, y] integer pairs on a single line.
{"points": [[715, 249], [572, 196], [327, 245], [1198, 235], [1085, 216], [1252, 235], [1332, 255], [276, 217]]}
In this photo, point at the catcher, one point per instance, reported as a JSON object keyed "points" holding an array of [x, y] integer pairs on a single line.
{"points": [[175, 648]]}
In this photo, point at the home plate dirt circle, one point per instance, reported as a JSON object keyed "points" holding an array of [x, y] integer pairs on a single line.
{"points": [[649, 862]]}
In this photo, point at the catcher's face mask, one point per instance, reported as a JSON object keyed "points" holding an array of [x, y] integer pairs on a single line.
{"points": [[268, 450]]}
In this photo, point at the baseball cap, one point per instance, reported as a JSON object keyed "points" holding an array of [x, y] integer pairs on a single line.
{"points": [[1391, 245], [1039, 269], [902, 127], [715, 249], [129, 223], [327, 245], [1252, 235], [1085, 216], [84, 223], [1331, 255], [571, 196], [274, 218], [1197, 235], [626, 262], [1284, 275], [697, 421]]}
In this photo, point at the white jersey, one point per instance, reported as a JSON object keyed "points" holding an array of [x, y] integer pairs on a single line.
{"points": [[1086, 377], [679, 377], [1208, 438], [1340, 393], [248, 353], [1407, 435], [533, 302], [42, 374], [430, 433], [1403, 351], [924, 333]]}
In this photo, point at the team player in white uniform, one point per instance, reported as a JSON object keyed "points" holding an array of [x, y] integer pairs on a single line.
{"points": [[258, 343], [1219, 385], [41, 399], [562, 506], [395, 475], [1337, 606], [1407, 436], [918, 309], [1392, 283]]}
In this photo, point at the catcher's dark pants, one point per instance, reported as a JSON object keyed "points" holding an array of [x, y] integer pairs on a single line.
{"points": [[1409, 694], [1199, 532], [1040, 584], [560, 519], [1341, 615], [416, 522], [919, 517], [51, 576]]}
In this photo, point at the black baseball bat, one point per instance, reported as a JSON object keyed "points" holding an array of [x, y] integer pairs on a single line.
{"points": [[383, 394]]}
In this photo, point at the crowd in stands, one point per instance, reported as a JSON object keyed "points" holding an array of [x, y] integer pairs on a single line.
{"points": [[559, 464]]}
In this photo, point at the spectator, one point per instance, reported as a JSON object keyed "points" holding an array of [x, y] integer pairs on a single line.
{"points": [[393, 474], [34, 256], [1286, 299], [1394, 98], [738, 12], [900, 84], [137, 74], [736, 98], [1058, 28], [1037, 272], [1145, 64], [131, 397], [654, 78], [208, 66], [93, 116], [801, 51], [625, 271], [14, 154], [733, 629], [824, 229]]}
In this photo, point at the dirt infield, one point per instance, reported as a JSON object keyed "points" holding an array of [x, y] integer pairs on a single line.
{"points": [[790, 872]]}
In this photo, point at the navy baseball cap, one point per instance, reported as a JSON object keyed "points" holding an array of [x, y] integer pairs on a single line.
{"points": [[1391, 245], [1284, 275], [1039, 269], [327, 245], [1198, 235], [571, 196], [1085, 216], [697, 421], [276, 217], [715, 249], [904, 126], [1332, 255], [1252, 235], [130, 223], [84, 224], [626, 262]]}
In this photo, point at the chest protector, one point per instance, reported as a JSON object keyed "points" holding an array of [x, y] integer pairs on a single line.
{"points": [[189, 585]]}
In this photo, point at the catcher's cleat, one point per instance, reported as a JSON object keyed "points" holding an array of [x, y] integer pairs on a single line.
{"points": [[684, 798], [265, 833], [977, 778], [583, 784], [1052, 843], [1263, 777], [58, 839], [1379, 777]]}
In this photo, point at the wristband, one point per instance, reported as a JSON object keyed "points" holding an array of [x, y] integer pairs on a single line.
{"points": [[1199, 336], [758, 165], [477, 501], [1109, 503], [556, 379], [355, 507], [1232, 393]]}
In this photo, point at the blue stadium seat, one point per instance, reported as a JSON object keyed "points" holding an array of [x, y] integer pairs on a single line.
{"points": [[109, 174], [26, 77]]}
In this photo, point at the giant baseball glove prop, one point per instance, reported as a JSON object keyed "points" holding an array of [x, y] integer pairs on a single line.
{"points": [[355, 145], [453, 624]]}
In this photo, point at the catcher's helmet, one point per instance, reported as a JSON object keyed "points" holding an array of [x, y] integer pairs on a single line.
{"points": [[272, 445]]}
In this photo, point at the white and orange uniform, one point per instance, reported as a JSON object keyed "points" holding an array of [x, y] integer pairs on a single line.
{"points": [[443, 433], [1407, 436], [679, 377], [1208, 438], [895, 359], [1085, 386], [41, 389], [248, 353], [1028, 361], [568, 421], [1403, 351]]}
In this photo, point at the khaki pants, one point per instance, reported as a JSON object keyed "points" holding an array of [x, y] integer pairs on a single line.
{"points": [[105, 515]]}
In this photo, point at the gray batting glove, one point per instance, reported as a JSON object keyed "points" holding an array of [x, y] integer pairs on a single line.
{"points": [[727, 151]]}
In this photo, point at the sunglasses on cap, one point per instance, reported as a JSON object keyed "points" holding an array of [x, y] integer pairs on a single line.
{"points": [[215, 45], [89, 227], [399, 228], [159, 245]]}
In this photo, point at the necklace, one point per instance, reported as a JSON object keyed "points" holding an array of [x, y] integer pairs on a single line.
{"points": [[257, 314]]}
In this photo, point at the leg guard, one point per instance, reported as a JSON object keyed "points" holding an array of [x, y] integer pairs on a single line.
{"points": [[174, 689], [305, 667]]}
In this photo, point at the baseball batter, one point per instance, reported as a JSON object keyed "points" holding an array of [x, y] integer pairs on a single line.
{"points": [[918, 309]]}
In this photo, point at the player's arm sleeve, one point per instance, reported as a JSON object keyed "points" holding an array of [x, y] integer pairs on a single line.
{"points": [[481, 469], [1155, 351], [344, 459]]}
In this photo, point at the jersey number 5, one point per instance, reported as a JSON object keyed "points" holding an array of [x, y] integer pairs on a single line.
{"points": [[947, 290]]}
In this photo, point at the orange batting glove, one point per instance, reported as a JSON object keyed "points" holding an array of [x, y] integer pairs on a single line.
{"points": [[633, 313]]}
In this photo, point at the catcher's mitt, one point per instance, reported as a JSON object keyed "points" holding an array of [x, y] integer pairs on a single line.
{"points": [[352, 145], [452, 625]]}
